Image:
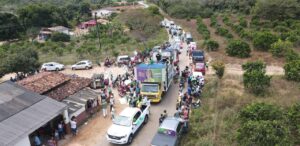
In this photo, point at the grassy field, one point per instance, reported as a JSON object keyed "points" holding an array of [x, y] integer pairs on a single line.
{"points": [[216, 122], [122, 49]]}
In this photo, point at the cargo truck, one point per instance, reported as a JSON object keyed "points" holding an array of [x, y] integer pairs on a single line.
{"points": [[155, 79]]}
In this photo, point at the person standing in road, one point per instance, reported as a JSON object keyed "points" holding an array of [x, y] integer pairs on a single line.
{"points": [[165, 114], [161, 118], [104, 107], [112, 112], [111, 102], [73, 126], [61, 130], [37, 140]]}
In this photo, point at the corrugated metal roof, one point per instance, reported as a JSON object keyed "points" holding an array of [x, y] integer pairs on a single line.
{"points": [[23, 111], [79, 99]]}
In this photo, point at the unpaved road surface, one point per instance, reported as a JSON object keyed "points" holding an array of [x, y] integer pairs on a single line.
{"points": [[93, 133]]}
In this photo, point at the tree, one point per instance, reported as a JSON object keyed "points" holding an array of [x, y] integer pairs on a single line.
{"points": [[292, 70], [277, 9], [154, 10], [24, 60], [260, 111], [291, 55], [219, 67], [263, 40], [279, 48], [263, 124], [60, 37], [254, 77], [263, 133], [10, 27], [238, 48], [211, 45], [294, 121]]}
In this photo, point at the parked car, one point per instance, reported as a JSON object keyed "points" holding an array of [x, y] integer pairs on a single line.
{"points": [[198, 56], [126, 125], [199, 67], [52, 66], [169, 132], [188, 38], [84, 64], [123, 60]]}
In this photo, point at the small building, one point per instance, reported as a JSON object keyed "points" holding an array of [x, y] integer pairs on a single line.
{"points": [[23, 112], [102, 13], [87, 24], [45, 33], [74, 91]]}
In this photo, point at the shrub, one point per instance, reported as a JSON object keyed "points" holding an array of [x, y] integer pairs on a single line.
{"points": [[291, 55], [294, 119], [292, 70], [263, 133], [263, 40], [60, 37], [254, 77], [213, 21], [243, 22], [211, 45], [219, 67], [278, 48], [238, 48], [202, 28], [260, 111], [222, 31]]}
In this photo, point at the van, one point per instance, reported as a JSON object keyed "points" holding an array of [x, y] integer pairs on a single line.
{"points": [[188, 38]]}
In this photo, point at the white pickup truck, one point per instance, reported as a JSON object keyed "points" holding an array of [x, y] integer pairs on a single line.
{"points": [[127, 124]]}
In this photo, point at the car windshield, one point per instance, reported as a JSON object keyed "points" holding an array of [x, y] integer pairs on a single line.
{"points": [[197, 53], [122, 121], [150, 88]]}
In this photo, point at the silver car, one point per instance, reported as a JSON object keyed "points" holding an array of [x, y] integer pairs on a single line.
{"points": [[84, 64]]}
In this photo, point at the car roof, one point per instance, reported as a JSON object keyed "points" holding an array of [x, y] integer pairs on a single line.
{"points": [[129, 112], [51, 63], [170, 123], [85, 61], [123, 56]]}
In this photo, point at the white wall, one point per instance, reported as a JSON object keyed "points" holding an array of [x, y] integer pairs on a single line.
{"points": [[23, 142]]}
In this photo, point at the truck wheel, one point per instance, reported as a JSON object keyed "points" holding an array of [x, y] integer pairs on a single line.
{"points": [[130, 138], [146, 119]]}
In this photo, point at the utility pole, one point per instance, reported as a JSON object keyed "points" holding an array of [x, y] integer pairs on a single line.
{"points": [[98, 33]]}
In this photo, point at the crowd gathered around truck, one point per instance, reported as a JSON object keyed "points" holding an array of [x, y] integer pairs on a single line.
{"points": [[149, 76]]}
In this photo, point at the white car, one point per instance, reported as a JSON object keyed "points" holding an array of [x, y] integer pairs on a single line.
{"points": [[126, 125], [52, 66], [85, 64]]}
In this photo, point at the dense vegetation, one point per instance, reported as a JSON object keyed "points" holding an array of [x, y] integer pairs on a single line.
{"points": [[144, 32]]}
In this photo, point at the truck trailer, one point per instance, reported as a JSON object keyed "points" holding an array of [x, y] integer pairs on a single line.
{"points": [[155, 79]]}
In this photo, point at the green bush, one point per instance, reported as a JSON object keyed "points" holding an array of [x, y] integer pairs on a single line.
{"points": [[294, 121], [222, 31], [263, 133], [202, 28], [278, 48], [219, 67], [211, 45], [246, 34], [291, 55], [238, 48], [254, 77], [263, 40], [260, 111], [213, 21], [243, 22], [60, 37], [292, 70]]}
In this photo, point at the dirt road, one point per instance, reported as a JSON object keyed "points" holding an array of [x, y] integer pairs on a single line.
{"points": [[93, 133]]}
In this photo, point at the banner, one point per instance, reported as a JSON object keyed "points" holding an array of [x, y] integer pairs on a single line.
{"points": [[149, 75]]}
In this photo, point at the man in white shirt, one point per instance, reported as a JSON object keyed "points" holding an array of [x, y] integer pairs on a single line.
{"points": [[73, 126]]}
